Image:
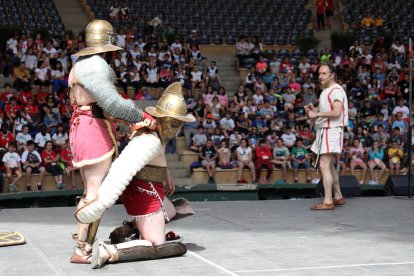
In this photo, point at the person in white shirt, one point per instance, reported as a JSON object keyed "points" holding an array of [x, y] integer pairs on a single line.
{"points": [[121, 38], [213, 74], [401, 108], [227, 123], [30, 60], [330, 119], [197, 80], [289, 139], [41, 74], [12, 162], [12, 43], [42, 137], [245, 159], [50, 51], [176, 45], [22, 138], [60, 137], [58, 77]]}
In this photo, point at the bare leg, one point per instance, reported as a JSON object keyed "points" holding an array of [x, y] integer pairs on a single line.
{"points": [[153, 228], [325, 163], [169, 208], [336, 186]]}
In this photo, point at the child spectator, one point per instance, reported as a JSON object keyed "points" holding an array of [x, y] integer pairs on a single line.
{"points": [[281, 157], [11, 161], [32, 161], [263, 157], [217, 137], [395, 155], [343, 158], [10, 110], [59, 138], [300, 159], [21, 120], [6, 136], [271, 139], [7, 93], [199, 140], [224, 155], [244, 159], [50, 162], [356, 155], [208, 156], [42, 137], [227, 123], [58, 78], [66, 159], [209, 124], [32, 110], [376, 154], [22, 138], [25, 95], [288, 138]]}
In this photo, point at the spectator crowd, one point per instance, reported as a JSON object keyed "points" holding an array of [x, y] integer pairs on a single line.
{"points": [[262, 124]]}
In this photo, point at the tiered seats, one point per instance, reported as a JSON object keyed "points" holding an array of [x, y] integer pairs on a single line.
{"points": [[397, 15], [31, 15], [220, 21]]}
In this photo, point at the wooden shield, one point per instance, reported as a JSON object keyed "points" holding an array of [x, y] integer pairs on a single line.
{"points": [[11, 238]]}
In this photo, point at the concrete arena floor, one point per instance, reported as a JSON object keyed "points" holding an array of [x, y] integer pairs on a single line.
{"points": [[368, 236]]}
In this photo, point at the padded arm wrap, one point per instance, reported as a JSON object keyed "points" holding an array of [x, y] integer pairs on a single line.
{"points": [[95, 75], [139, 151]]}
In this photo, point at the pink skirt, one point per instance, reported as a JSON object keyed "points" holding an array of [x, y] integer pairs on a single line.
{"points": [[90, 140]]}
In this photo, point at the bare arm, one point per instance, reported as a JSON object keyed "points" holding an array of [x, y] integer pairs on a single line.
{"points": [[334, 113]]}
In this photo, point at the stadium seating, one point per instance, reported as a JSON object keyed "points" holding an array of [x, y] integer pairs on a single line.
{"points": [[31, 15], [269, 20]]}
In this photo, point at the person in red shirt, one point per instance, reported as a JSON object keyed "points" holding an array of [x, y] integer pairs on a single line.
{"points": [[66, 158], [11, 110], [32, 110], [263, 157], [7, 93], [24, 95], [50, 162], [6, 136], [42, 95], [329, 8], [320, 14]]}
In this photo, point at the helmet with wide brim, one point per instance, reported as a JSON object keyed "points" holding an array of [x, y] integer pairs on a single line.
{"points": [[171, 104], [100, 38], [96, 50]]}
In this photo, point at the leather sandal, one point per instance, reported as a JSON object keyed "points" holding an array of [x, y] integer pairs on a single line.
{"points": [[78, 259], [340, 201], [322, 206]]}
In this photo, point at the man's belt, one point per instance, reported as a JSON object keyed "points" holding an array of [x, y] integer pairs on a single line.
{"points": [[152, 173], [96, 111]]}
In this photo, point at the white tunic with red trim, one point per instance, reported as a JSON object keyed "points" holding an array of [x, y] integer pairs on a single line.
{"points": [[329, 131]]}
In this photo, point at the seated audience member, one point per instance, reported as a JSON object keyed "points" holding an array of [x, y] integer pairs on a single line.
{"points": [[281, 157], [395, 155], [21, 75], [197, 80], [263, 157], [6, 137], [22, 138], [227, 123], [300, 159], [21, 120], [32, 161], [59, 138], [245, 159], [356, 155], [12, 162], [42, 137], [343, 160], [224, 156], [199, 139], [289, 139], [32, 110], [208, 156], [50, 161], [10, 111], [66, 159], [376, 155]]}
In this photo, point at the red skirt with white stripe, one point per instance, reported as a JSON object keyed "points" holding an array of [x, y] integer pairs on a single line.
{"points": [[328, 140]]}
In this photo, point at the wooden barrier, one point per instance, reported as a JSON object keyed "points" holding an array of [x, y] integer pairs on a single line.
{"points": [[229, 176], [49, 183], [181, 145], [188, 157]]}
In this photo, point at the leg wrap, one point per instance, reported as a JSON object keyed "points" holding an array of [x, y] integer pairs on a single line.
{"points": [[131, 251]]}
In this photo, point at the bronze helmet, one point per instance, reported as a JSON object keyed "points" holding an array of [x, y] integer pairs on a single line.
{"points": [[100, 38]]}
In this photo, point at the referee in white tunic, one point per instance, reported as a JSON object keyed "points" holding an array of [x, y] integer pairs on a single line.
{"points": [[331, 118]]}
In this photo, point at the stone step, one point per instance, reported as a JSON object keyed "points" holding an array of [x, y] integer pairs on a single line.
{"points": [[172, 165], [183, 181], [181, 173], [171, 157]]}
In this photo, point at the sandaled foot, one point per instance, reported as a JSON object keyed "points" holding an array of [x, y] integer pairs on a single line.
{"points": [[340, 201], [323, 206], [173, 237], [78, 259]]}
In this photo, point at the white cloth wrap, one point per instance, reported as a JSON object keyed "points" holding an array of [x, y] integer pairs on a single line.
{"points": [[139, 151], [98, 78]]}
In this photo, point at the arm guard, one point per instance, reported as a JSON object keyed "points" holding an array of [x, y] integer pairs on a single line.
{"points": [[95, 75], [139, 151]]}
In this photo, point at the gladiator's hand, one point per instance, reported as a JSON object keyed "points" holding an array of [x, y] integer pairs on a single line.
{"points": [[150, 122]]}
